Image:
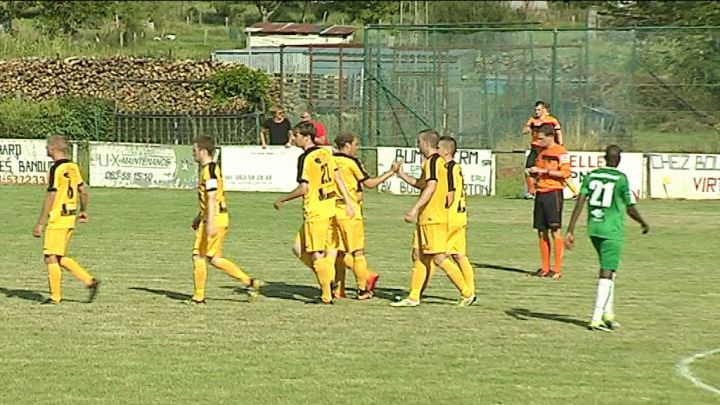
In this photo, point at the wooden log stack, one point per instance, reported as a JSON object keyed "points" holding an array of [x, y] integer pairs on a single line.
{"points": [[134, 84]]}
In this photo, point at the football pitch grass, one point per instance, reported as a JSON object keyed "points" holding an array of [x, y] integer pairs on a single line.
{"points": [[525, 342]]}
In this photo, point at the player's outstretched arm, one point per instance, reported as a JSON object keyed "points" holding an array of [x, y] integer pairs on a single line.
{"points": [[44, 212], [417, 183], [635, 215], [376, 181], [349, 210], [570, 233], [299, 191]]}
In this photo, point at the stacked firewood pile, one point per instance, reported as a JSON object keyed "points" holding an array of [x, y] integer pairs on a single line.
{"points": [[134, 84]]}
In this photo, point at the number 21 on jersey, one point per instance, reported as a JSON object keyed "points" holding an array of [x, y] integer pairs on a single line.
{"points": [[602, 193]]}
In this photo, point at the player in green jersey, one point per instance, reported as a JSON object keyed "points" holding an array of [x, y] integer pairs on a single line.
{"points": [[608, 197]]}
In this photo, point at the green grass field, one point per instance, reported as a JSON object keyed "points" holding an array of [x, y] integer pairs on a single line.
{"points": [[525, 342]]}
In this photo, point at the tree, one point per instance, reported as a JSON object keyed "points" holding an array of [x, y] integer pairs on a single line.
{"points": [[687, 59], [472, 11], [658, 13], [268, 8], [69, 16], [360, 11]]}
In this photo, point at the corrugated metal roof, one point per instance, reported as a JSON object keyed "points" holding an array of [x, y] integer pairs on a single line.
{"points": [[299, 29], [341, 30]]}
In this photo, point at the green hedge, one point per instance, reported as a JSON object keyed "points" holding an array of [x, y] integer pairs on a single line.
{"points": [[76, 118]]}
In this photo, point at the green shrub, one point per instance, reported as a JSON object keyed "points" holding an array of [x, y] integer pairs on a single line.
{"points": [[76, 118], [250, 84]]}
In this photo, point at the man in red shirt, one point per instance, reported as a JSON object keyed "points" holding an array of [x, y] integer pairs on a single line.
{"points": [[320, 131]]}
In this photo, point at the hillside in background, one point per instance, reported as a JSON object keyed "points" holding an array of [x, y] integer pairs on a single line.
{"points": [[193, 29]]}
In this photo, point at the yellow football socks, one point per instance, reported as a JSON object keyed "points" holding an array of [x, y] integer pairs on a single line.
{"points": [[454, 274], [54, 279], [323, 274], [232, 270], [419, 274], [360, 268], [468, 273], [199, 278], [340, 275], [76, 270]]}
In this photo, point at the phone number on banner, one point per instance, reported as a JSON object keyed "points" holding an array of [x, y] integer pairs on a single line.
{"points": [[22, 179]]}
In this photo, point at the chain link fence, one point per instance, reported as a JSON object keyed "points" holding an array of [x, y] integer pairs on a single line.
{"points": [[324, 79], [479, 84]]}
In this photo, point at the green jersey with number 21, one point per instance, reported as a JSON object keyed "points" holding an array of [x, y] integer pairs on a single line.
{"points": [[608, 195]]}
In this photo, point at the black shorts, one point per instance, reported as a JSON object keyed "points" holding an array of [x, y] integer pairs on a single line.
{"points": [[548, 210], [530, 161]]}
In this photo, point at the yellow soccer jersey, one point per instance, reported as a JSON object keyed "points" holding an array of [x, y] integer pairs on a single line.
{"points": [[64, 180], [210, 179], [457, 212], [353, 174], [435, 211], [316, 167]]}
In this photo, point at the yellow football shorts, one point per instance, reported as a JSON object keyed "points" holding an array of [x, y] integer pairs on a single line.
{"points": [[56, 241], [457, 240], [352, 235], [209, 246], [431, 238], [319, 236]]}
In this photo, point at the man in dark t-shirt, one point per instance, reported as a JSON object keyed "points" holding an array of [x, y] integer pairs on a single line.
{"points": [[276, 130]]}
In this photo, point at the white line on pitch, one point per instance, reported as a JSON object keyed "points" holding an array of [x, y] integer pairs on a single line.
{"points": [[683, 367]]}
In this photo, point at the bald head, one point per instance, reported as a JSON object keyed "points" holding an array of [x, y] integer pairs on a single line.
{"points": [[612, 155]]}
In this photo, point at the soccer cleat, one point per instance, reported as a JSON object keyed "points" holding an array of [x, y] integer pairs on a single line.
{"points": [[50, 301], [466, 302], [321, 301], [538, 273], [365, 295], [93, 289], [529, 196], [372, 281], [253, 290], [551, 274], [599, 325], [337, 294], [610, 322], [407, 302], [194, 303]]}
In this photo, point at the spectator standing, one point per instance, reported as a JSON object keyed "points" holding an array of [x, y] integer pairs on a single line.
{"points": [[276, 130], [320, 131]]}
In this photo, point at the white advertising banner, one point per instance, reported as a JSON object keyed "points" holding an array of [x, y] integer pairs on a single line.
{"points": [[582, 163], [142, 165], [478, 167], [252, 168], [683, 175], [24, 161]]}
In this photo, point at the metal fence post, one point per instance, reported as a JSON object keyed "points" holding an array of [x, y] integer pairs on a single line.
{"points": [[553, 75], [365, 90], [340, 89], [282, 74], [378, 79], [310, 79]]}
